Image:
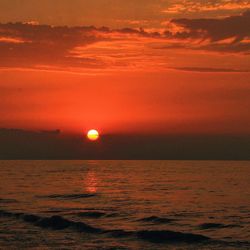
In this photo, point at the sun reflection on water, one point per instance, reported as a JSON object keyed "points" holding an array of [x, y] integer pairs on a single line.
{"points": [[91, 180]]}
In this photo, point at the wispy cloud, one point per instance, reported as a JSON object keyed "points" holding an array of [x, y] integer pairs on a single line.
{"points": [[31, 45], [228, 34], [216, 29], [190, 6], [11, 40], [211, 70]]}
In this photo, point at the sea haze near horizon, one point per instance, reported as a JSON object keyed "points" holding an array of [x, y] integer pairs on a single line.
{"points": [[16, 144], [124, 205]]}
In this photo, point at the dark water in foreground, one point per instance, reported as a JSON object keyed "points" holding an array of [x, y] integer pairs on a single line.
{"points": [[124, 205]]}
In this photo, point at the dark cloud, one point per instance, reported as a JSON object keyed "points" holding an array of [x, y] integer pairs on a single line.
{"points": [[43, 44], [236, 28], [26, 45], [238, 47], [29, 45], [217, 29]]}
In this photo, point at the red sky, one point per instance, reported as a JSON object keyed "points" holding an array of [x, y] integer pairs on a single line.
{"points": [[158, 66]]}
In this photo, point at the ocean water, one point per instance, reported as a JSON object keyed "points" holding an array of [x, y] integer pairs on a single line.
{"points": [[124, 205]]}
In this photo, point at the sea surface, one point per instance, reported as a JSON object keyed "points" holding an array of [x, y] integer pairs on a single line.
{"points": [[124, 205]]}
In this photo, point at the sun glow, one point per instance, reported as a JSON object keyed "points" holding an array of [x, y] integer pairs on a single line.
{"points": [[93, 135]]}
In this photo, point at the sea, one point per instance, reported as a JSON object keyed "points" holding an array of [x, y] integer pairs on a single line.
{"points": [[118, 205]]}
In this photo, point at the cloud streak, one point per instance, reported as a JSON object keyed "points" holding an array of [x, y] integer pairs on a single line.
{"points": [[216, 29], [30, 45], [190, 6], [211, 70], [230, 34]]}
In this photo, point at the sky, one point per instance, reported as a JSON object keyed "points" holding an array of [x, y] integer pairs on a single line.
{"points": [[146, 66]]}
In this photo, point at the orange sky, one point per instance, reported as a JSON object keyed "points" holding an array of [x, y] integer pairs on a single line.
{"points": [[156, 67]]}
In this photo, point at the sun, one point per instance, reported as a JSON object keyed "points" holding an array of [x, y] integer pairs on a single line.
{"points": [[93, 135]]}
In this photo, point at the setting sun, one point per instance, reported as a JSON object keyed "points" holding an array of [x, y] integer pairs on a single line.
{"points": [[93, 135], [124, 124]]}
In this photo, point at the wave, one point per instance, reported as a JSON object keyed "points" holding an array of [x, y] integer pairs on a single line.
{"points": [[54, 222], [119, 233], [61, 223], [7, 200], [68, 196], [94, 214], [156, 219], [164, 236], [160, 236], [205, 226]]}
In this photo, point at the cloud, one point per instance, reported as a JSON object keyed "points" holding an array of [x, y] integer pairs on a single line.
{"points": [[218, 29], [190, 6], [211, 70], [74, 48], [29, 45], [227, 34], [239, 47], [11, 40]]}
